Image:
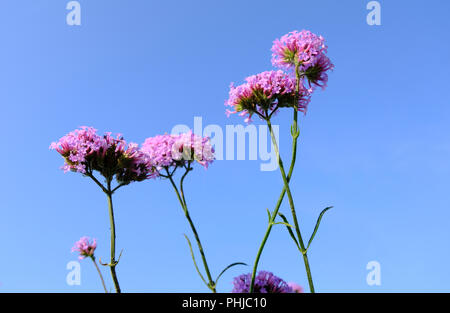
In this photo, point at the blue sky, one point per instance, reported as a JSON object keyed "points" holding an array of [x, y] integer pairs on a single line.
{"points": [[375, 144]]}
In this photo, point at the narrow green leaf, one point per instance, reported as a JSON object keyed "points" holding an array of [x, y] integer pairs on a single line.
{"points": [[227, 268], [317, 225], [193, 259], [283, 223], [270, 216], [289, 229]]}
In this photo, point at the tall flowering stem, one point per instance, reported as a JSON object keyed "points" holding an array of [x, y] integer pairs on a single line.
{"points": [[295, 134], [86, 152], [286, 189], [273, 215], [264, 94], [112, 223], [109, 191], [168, 153], [291, 204], [181, 198]]}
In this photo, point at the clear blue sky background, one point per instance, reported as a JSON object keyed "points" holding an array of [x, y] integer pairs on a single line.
{"points": [[375, 144]]}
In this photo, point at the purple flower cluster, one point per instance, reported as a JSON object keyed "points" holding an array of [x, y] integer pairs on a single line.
{"points": [[85, 247], [165, 151], [308, 51], [84, 151], [265, 282], [77, 146], [265, 92]]}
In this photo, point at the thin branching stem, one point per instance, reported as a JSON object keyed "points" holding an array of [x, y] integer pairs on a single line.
{"points": [[182, 200]]}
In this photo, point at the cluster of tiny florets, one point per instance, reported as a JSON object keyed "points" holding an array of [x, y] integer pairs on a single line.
{"points": [[85, 247], [85, 151], [265, 92], [165, 151], [308, 51], [265, 282]]}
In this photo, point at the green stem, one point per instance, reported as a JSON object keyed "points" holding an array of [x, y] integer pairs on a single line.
{"points": [[280, 200], [99, 274], [291, 204], [308, 272], [113, 263], [294, 133], [286, 179], [181, 199]]}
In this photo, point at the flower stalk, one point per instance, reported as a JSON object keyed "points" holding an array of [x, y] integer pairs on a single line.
{"points": [[286, 178], [280, 200], [86, 248], [292, 206], [99, 273], [85, 151], [181, 198], [113, 263], [109, 191]]}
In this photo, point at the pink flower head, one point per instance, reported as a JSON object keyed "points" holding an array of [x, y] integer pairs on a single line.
{"points": [[296, 288], [189, 146], [85, 151], [85, 247], [308, 51], [265, 282], [159, 151], [264, 93], [166, 151], [77, 147], [317, 72]]}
